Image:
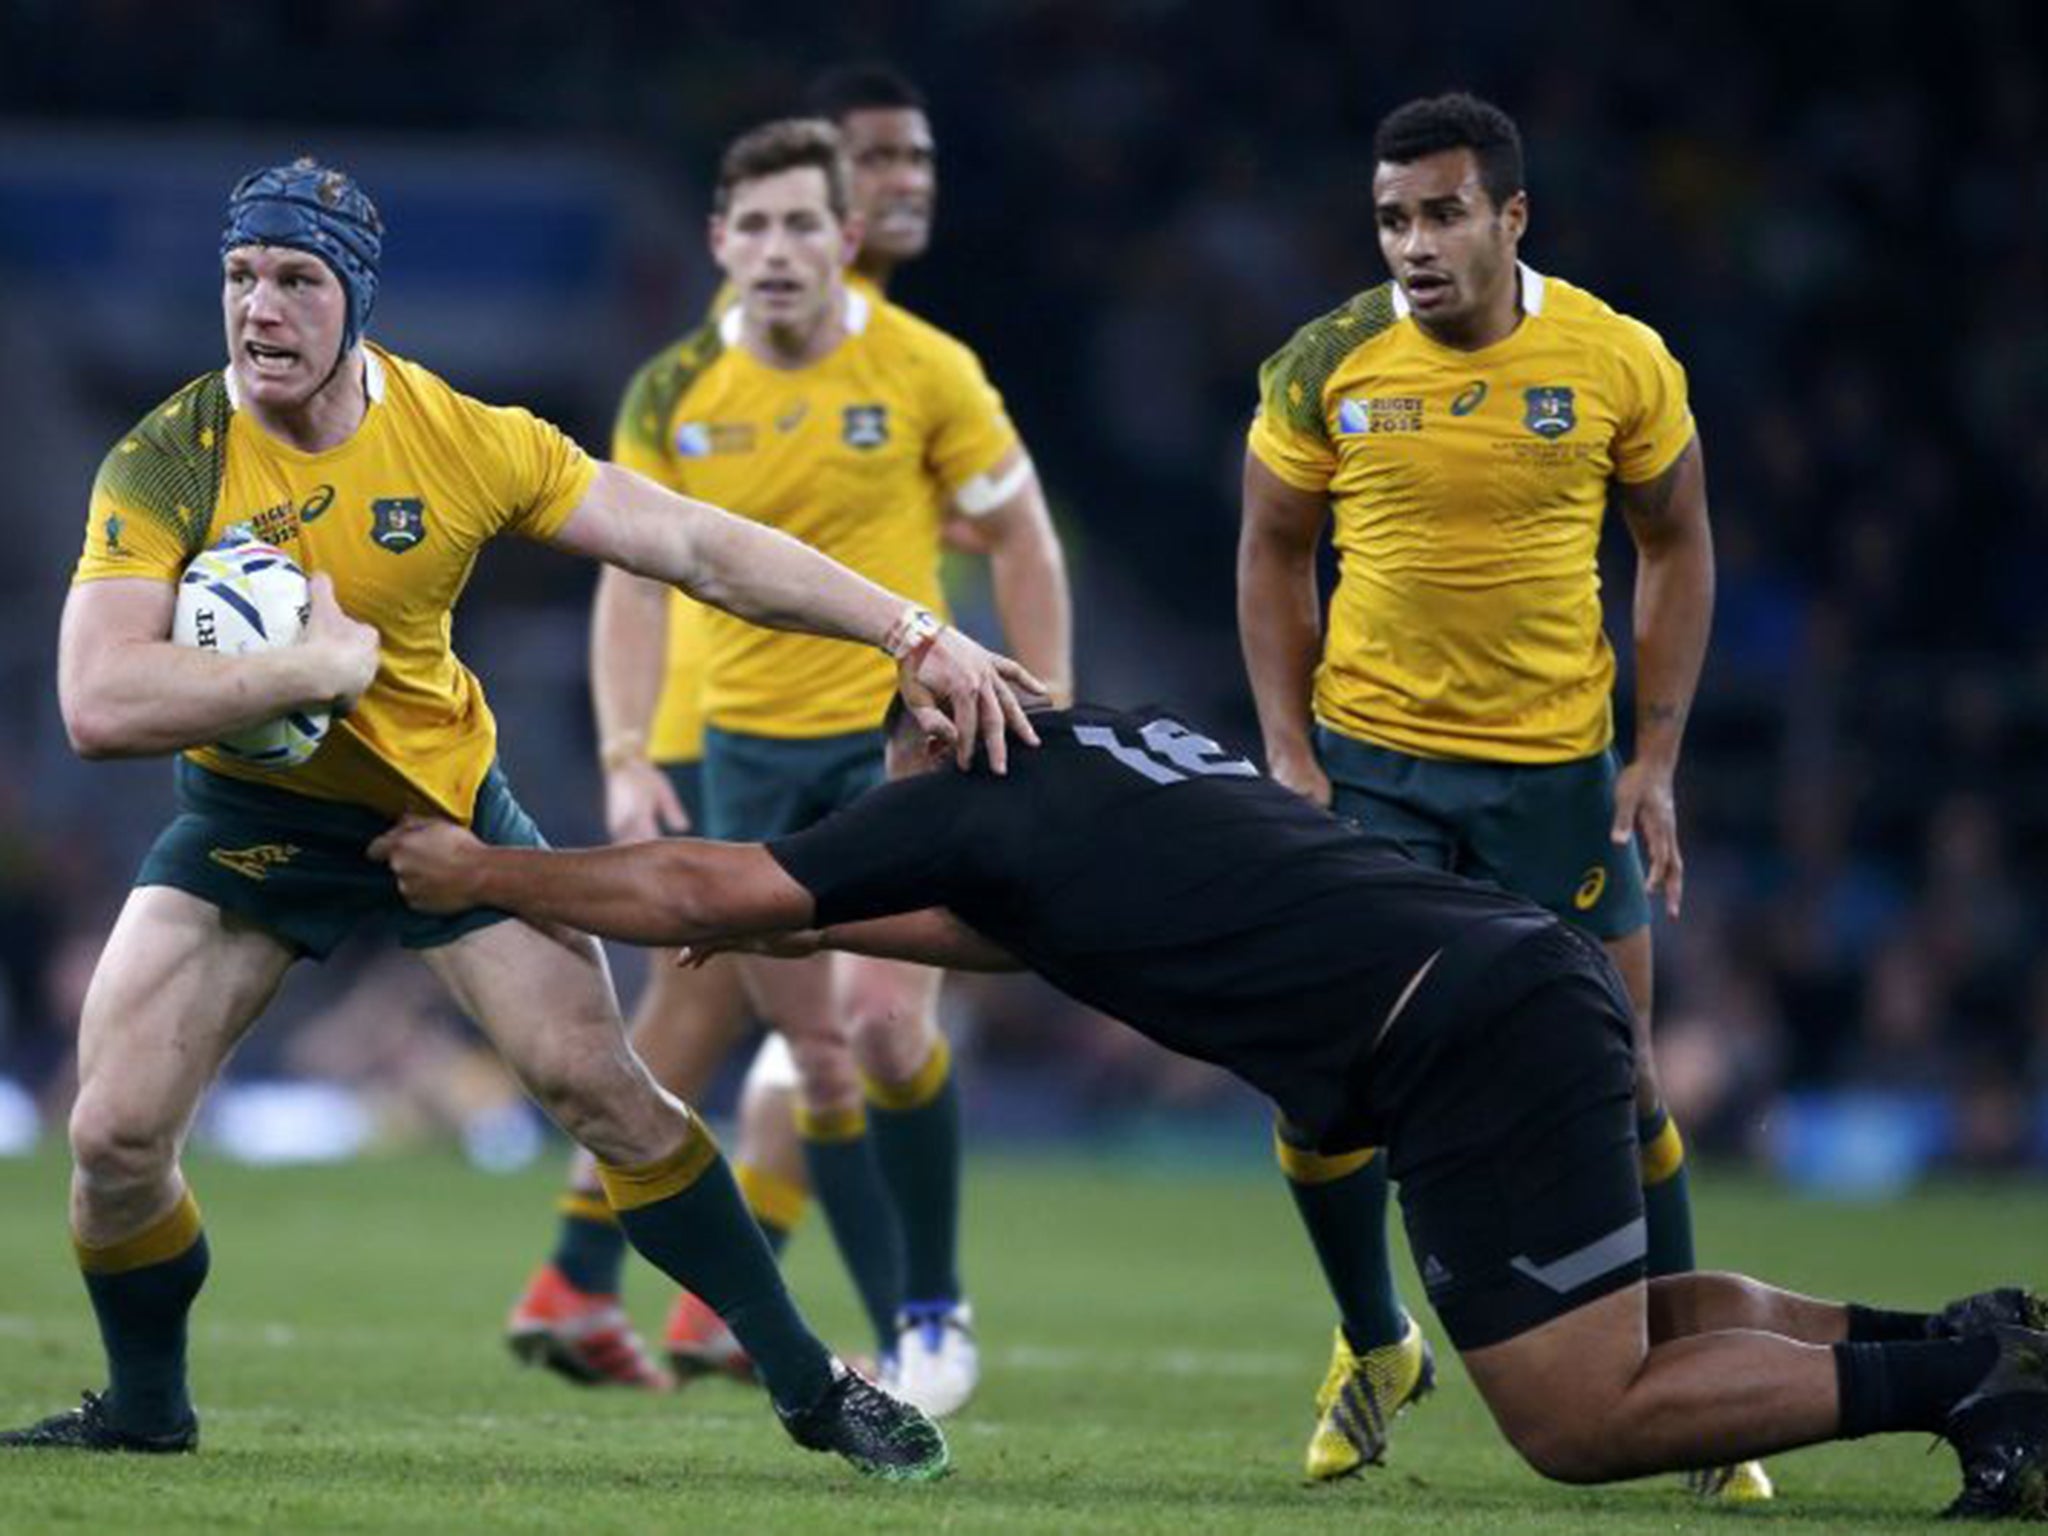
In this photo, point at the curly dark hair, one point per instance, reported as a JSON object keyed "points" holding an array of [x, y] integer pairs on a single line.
{"points": [[868, 85], [1457, 120]]}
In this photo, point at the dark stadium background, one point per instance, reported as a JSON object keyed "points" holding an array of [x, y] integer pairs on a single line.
{"points": [[1836, 214]]}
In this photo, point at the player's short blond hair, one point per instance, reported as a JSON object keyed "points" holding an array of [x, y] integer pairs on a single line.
{"points": [[787, 144]]}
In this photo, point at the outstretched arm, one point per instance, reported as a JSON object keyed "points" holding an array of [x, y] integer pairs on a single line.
{"points": [[931, 937], [658, 893], [769, 578]]}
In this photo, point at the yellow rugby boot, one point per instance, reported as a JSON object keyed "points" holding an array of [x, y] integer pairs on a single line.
{"points": [[1360, 1397], [1746, 1482]]}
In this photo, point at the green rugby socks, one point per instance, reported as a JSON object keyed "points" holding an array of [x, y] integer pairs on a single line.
{"points": [[685, 1215], [1342, 1199], [846, 1177], [142, 1291], [1667, 1199], [590, 1246], [777, 1203], [916, 1131]]}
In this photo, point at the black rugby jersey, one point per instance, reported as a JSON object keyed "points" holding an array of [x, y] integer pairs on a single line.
{"points": [[1150, 873]]}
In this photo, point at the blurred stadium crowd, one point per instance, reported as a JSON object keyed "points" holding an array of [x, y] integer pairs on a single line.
{"points": [[1840, 231]]}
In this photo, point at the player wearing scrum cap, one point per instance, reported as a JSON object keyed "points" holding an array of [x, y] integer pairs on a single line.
{"points": [[383, 482]]}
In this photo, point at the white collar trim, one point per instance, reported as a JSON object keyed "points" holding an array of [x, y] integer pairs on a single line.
{"points": [[373, 380], [858, 311]]}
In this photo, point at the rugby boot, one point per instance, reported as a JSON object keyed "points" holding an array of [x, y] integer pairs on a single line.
{"points": [[878, 1435], [2009, 1305], [937, 1365], [698, 1343], [88, 1428], [2000, 1432], [581, 1335], [1360, 1396], [1746, 1482]]}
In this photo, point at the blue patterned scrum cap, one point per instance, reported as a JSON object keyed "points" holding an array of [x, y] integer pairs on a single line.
{"points": [[313, 208]]}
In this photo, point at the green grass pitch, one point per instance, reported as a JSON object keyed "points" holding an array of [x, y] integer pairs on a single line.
{"points": [[1152, 1336]]}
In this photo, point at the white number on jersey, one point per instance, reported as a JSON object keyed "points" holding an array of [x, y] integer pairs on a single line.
{"points": [[1170, 755]]}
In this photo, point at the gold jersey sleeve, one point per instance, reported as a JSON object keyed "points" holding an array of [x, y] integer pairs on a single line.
{"points": [[858, 455], [395, 517], [1467, 492]]}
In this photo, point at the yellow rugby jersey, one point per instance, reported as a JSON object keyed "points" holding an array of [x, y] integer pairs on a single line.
{"points": [[1466, 494], [858, 455], [395, 516]]}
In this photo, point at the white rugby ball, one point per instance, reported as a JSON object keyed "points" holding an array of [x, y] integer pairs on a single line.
{"points": [[239, 599]]}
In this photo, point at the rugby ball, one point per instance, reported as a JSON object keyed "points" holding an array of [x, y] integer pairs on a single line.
{"points": [[241, 598]]}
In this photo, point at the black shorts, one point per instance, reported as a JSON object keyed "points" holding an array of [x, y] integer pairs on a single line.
{"points": [[1515, 1146]]}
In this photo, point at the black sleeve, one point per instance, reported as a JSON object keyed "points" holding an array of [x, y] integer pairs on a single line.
{"points": [[919, 842]]}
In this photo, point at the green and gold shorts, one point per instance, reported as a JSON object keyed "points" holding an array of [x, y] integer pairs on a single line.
{"points": [[758, 787], [295, 866], [1538, 829]]}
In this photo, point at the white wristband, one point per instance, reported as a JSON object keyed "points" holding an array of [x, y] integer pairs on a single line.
{"points": [[915, 629]]}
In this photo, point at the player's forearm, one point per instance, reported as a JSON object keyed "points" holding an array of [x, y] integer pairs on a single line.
{"points": [[628, 656], [639, 893], [1674, 611], [1279, 623], [756, 572], [144, 698], [1029, 574], [932, 937]]}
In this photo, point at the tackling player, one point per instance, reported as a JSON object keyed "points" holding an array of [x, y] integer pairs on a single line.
{"points": [[816, 406], [1150, 873], [1461, 430], [383, 482]]}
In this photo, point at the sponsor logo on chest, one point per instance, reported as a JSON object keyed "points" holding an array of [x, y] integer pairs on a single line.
{"points": [[1375, 414], [707, 439]]}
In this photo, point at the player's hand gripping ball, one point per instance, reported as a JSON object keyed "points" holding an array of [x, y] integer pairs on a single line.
{"points": [[240, 598]]}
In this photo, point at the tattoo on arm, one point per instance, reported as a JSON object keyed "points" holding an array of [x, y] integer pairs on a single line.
{"points": [[1651, 500], [1655, 713]]}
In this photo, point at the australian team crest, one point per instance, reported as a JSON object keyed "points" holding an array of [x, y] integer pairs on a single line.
{"points": [[1550, 412], [398, 522], [865, 426]]}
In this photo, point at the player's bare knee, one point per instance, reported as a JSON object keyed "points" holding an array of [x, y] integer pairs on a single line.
{"points": [[1567, 1448], [114, 1153], [892, 1047]]}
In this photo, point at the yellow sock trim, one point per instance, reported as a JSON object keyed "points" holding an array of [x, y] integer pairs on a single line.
{"points": [[1305, 1167], [774, 1200], [848, 1124], [1664, 1156], [630, 1188], [585, 1206], [923, 1087], [158, 1243]]}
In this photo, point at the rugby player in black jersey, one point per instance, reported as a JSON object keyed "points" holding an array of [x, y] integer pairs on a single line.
{"points": [[1152, 874]]}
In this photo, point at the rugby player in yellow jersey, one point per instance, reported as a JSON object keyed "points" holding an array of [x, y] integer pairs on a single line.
{"points": [[843, 420], [650, 728], [383, 482], [1461, 430]]}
